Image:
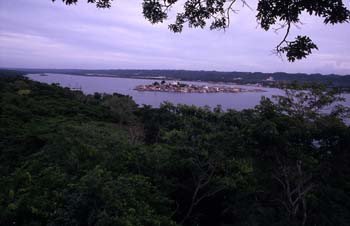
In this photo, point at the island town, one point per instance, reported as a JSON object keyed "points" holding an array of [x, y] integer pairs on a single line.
{"points": [[174, 86]]}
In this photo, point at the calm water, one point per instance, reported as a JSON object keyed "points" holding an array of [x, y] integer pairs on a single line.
{"points": [[125, 86]]}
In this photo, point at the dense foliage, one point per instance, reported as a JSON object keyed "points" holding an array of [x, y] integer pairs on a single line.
{"points": [[271, 14], [74, 159]]}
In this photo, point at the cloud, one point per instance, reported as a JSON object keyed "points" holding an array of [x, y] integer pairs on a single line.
{"points": [[39, 33]]}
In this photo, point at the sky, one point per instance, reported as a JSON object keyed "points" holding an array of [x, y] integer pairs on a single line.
{"points": [[43, 34]]}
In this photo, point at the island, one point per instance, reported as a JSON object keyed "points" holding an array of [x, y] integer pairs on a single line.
{"points": [[174, 86]]}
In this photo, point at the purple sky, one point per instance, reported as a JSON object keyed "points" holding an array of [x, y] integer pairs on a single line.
{"points": [[42, 34]]}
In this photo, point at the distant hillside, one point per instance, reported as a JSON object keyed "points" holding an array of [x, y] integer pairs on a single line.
{"points": [[214, 76]]}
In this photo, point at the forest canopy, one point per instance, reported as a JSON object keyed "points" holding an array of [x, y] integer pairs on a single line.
{"points": [[274, 15], [84, 160]]}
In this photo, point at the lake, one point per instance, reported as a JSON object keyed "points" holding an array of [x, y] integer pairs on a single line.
{"points": [[91, 84]]}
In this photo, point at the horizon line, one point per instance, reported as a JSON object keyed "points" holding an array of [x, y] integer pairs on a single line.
{"points": [[217, 71]]}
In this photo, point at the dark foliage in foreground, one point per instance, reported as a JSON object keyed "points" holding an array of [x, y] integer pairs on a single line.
{"points": [[71, 159]]}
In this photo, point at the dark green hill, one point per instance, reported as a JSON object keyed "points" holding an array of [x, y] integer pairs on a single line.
{"points": [[89, 160]]}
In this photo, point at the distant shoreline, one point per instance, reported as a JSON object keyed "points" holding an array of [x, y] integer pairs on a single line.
{"points": [[152, 78], [276, 80]]}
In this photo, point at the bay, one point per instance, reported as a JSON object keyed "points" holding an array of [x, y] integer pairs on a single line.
{"points": [[92, 84]]}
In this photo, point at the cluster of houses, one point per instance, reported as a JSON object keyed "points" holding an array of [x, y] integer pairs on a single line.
{"points": [[186, 88]]}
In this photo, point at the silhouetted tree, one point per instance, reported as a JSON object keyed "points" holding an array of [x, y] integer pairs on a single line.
{"points": [[271, 14]]}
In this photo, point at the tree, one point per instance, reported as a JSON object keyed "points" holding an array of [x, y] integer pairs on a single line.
{"points": [[65, 160], [292, 152], [271, 14]]}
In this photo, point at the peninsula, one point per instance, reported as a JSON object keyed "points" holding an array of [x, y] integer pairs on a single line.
{"points": [[191, 88]]}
